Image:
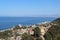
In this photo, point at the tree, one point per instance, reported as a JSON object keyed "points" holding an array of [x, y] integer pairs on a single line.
{"points": [[48, 36], [37, 32], [6, 34], [27, 37], [39, 38], [16, 27], [54, 31]]}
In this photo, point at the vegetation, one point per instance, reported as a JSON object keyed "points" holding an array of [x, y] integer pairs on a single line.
{"points": [[54, 32], [27, 37], [37, 32], [6, 34], [57, 21], [36, 35], [39, 38], [16, 27]]}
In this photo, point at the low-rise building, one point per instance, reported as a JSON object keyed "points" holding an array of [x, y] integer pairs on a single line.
{"points": [[34, 26], [22, 31], [20, 25]]}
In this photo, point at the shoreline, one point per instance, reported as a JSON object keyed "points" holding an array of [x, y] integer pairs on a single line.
{"points": [[9, 22], [25, 25]]}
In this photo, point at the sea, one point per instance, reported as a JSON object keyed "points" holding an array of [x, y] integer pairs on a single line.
{"points": [[8, 22]]}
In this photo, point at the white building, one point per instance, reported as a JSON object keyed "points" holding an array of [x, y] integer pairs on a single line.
{"points": [[20, 25], [34, 26]]}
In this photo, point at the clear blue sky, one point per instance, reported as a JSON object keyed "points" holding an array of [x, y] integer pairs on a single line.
{"points": [[30, 8]]}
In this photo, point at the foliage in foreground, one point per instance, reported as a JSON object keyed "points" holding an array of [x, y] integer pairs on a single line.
{"points": [[6, 34], [54, 32]]}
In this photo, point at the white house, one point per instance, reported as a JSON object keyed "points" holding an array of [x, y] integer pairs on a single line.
{"points": [[20, 25], [34, 26]]}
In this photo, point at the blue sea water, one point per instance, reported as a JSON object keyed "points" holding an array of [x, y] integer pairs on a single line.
{"points": [[7, 22]]}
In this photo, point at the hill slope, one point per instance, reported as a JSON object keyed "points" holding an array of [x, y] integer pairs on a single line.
{"points": [[54, 32]]}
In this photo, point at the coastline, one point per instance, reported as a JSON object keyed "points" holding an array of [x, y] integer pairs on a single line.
{"points": [[24, 25], [20, 29], [8, 22], [36, 31]]}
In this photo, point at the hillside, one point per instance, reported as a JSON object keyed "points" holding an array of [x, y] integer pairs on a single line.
{"points": [[57, 21], [54, 32]]}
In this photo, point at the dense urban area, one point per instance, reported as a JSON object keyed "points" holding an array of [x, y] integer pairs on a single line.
{"points": [[42, 31]]}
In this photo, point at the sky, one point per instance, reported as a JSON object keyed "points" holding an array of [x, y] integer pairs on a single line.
{"points": [[30, 8]]}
